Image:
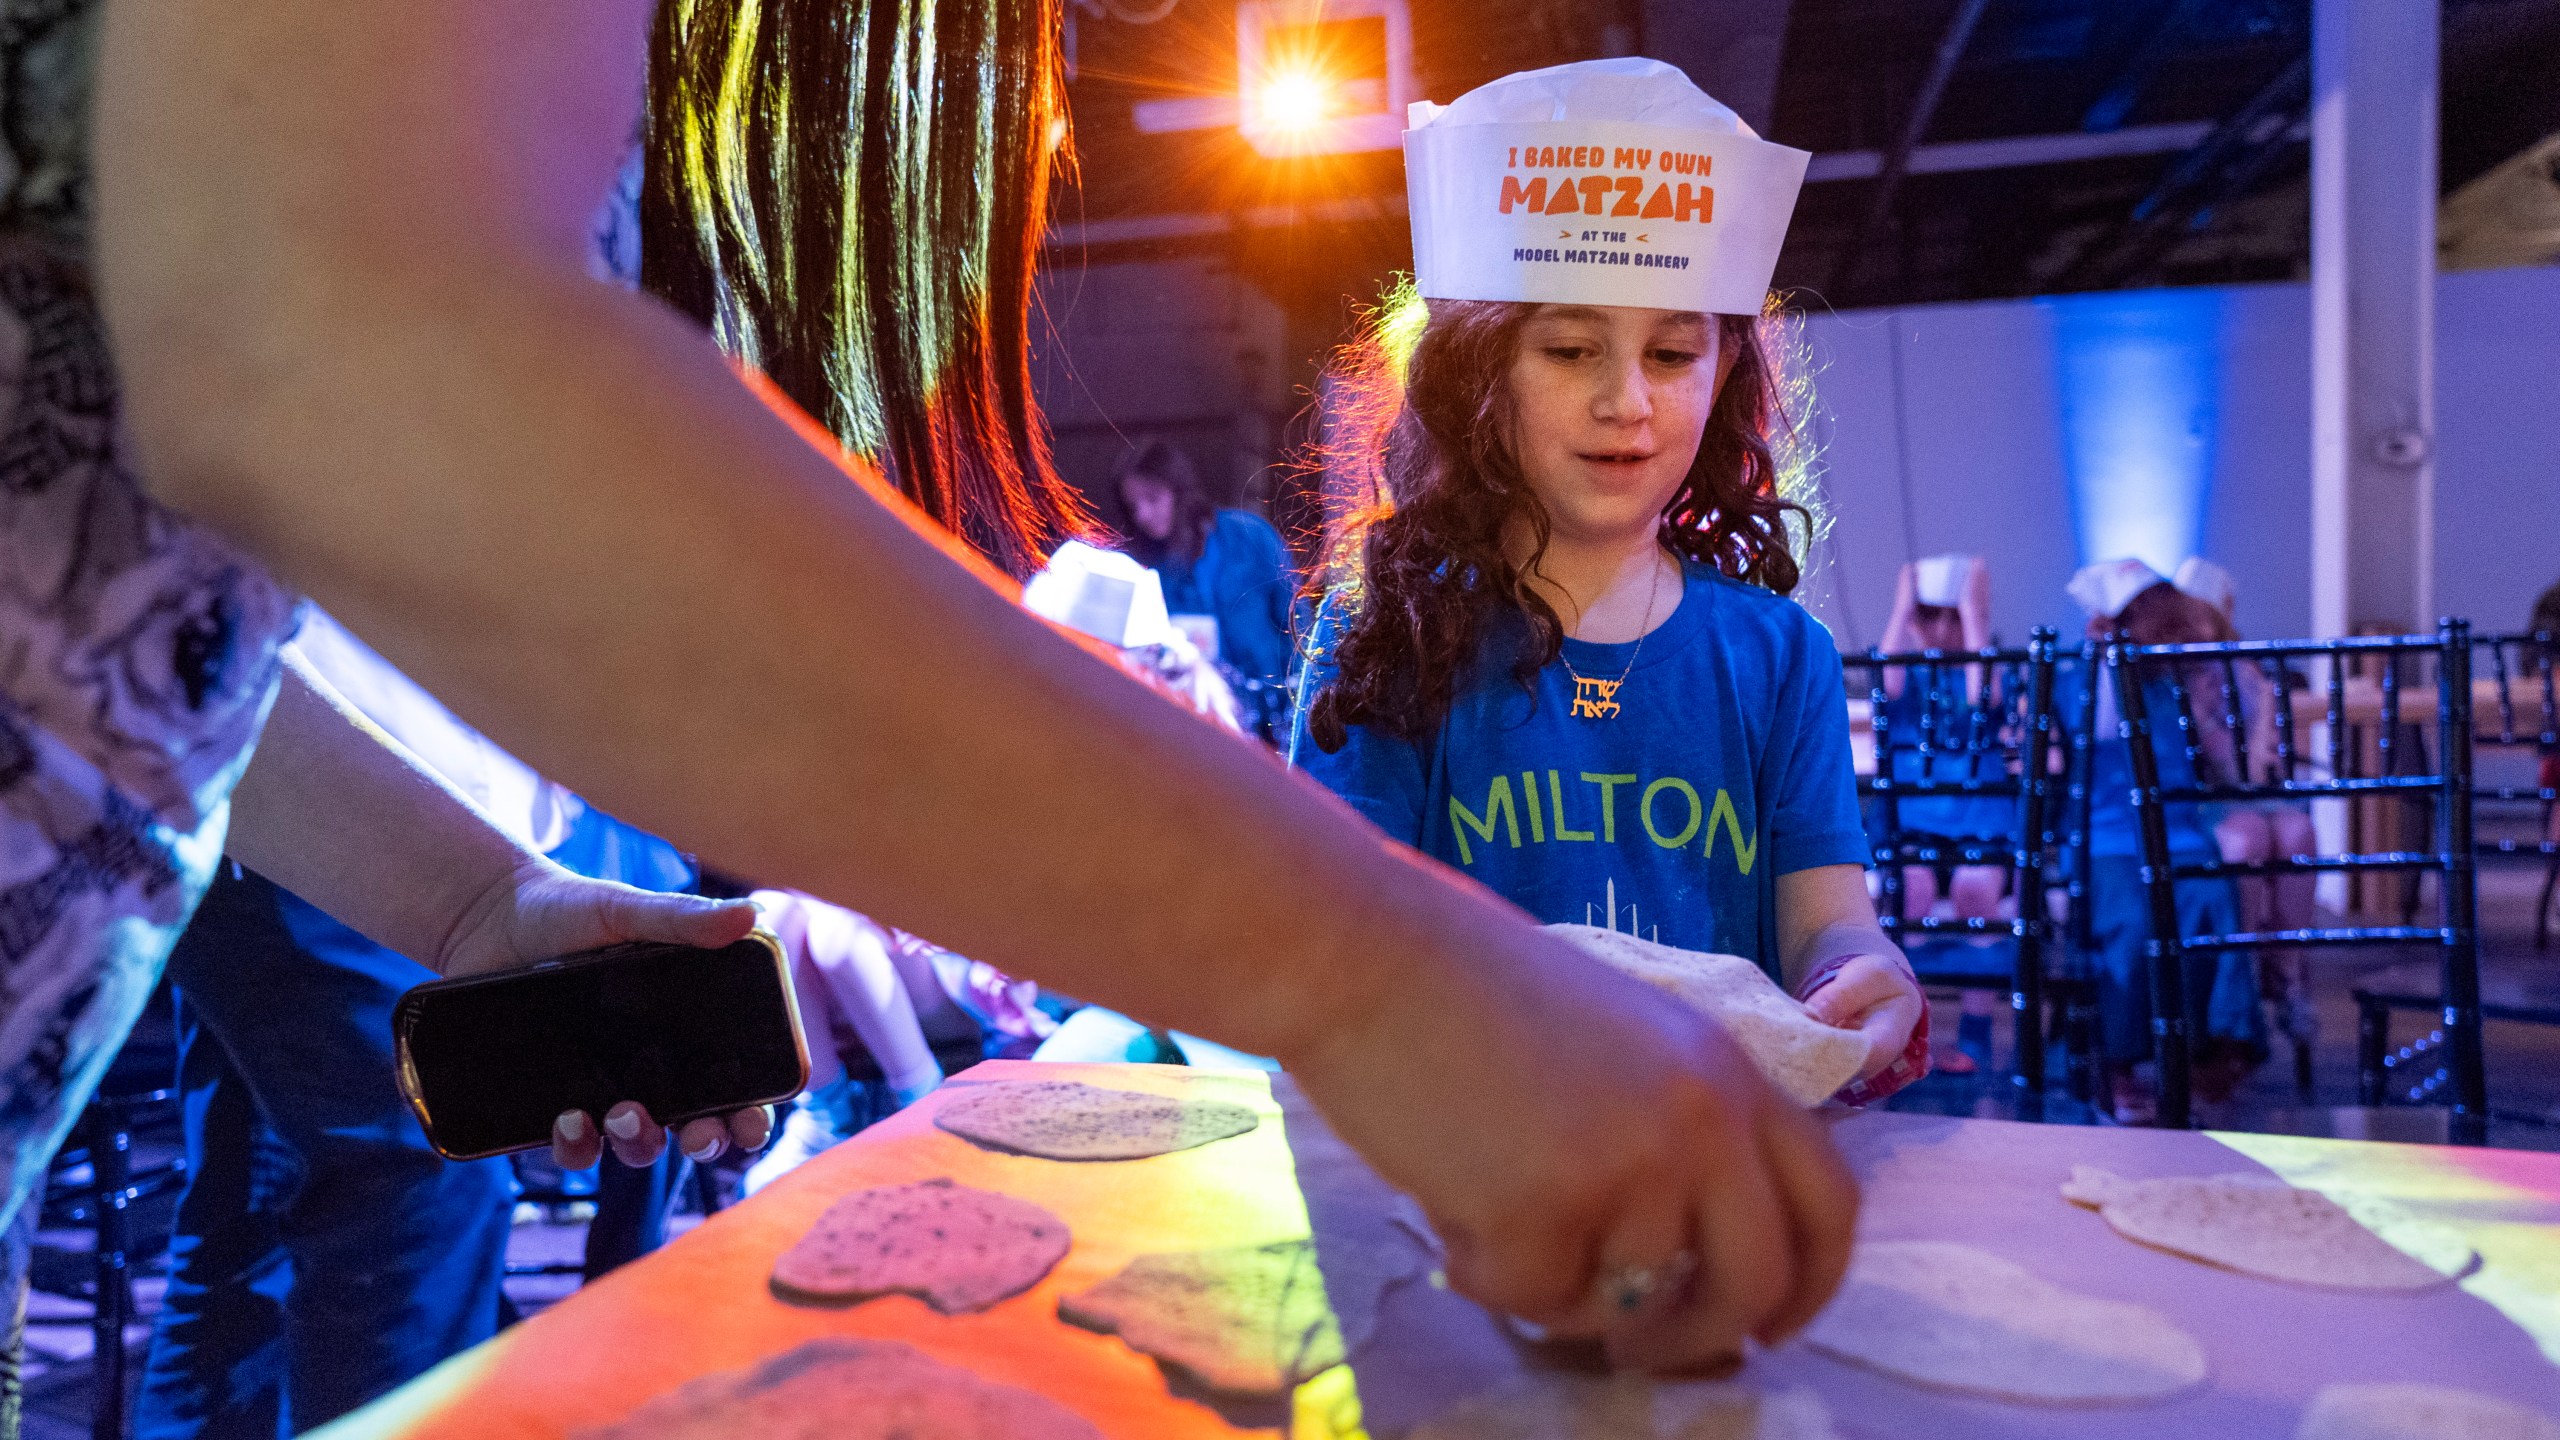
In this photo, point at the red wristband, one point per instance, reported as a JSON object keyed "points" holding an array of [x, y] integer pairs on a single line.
{"points": [[1912, 1064]]}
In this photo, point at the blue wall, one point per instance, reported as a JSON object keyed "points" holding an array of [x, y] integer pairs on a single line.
{"points": [[2040, 432]]}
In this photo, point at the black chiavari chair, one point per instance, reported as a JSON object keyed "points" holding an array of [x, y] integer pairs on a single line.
{"points": [[1961, 737], [2525, 670], [2395, 780]]}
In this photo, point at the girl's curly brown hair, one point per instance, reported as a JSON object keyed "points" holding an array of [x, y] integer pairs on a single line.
{"points": [[1419, 573]]}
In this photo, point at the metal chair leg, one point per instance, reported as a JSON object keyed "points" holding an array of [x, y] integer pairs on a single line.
{"points": [[111, 1171], [2373, 1041], [2080, 1033], [2542, 906]]}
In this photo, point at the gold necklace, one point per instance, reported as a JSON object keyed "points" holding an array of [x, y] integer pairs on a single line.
{"points": [[1598, 699]]}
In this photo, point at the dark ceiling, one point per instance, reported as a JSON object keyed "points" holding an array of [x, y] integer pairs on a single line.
{"points": [[2208, 96]]}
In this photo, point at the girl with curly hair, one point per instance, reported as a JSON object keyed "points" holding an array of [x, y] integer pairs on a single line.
{"points": [[1556, 651]]}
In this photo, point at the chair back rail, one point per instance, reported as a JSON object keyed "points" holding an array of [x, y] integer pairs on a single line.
{"points": [[1978, 725], [2522, 675], [2399, 771]]}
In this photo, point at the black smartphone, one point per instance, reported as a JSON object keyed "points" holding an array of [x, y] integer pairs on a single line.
{"points": [[490, 1062]]}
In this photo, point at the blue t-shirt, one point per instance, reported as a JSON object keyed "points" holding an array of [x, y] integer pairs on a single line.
{"points": [[1725, 766], [2115, 826], [1241, 578], [1962, 744]]}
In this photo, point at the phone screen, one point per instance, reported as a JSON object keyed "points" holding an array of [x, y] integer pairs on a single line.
{"points": [[491, 1062]]}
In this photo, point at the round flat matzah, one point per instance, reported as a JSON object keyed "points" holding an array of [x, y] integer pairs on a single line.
{"points": [[2258, 1224], [1807, 1060], [1251, 1322], [1068, 1120], [1582, 1407], [838, 1389], [1956, 1318], [955, 1248], [2418, 1412]]}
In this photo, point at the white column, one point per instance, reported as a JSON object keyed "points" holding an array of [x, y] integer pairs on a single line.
{"points": [[2373, 269]]}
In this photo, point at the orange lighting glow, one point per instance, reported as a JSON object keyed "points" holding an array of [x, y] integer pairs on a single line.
{"points": [[1295, 100]]}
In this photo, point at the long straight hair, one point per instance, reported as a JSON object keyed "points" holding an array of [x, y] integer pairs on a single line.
{"points": [[850, 195]]}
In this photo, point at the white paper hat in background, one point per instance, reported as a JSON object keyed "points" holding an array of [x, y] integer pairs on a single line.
{"points": [[1101, 593], [2207, 582], [2104, 589], [1940, 579], [1609, 182]]}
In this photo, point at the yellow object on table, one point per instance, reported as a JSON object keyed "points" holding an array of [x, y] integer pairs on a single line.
{"points": [[704, 1303]]}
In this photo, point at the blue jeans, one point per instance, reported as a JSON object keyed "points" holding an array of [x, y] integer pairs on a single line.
{"points": [[2222, 986], [323, 1253]]}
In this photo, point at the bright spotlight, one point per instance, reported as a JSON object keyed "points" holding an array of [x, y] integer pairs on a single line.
{"points": [[1323, 77], [1295, 100]]}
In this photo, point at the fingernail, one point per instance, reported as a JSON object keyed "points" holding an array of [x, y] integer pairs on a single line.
{"points": [[706, 1150], [571, 1126], [623, 1124]]}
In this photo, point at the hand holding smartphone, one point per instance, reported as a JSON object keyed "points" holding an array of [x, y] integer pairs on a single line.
{"points": [[489, 1063]]}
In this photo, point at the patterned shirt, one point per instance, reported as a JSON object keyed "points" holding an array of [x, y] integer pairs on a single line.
{"points": [[139, 653]]}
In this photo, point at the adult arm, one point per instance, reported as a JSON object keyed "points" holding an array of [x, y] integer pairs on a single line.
{"points": [[339, 813], [1901, 628], [341, 250]]}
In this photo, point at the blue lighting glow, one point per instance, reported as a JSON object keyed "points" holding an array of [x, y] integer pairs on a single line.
{"points": [[2137, 375]]}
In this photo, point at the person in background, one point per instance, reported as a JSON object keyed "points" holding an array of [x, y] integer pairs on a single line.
{"points": [[1558, 651], [322, 1252], [2255, 832], [1225, 572], [1944, 603], [2127, 601]]}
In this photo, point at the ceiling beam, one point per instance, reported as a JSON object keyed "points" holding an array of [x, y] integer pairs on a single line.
{"points": [[2196, 191], [2011, 152], [1897, 162], [1951, 157], [2124, 89]]}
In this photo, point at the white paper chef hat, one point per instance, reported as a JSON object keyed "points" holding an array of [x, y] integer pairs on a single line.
{"points": [[2104, 589], [1104, 594], [2206, 581], [1940, 579], [1609, 182]]}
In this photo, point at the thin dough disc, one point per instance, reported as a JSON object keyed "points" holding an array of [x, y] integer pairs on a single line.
{"points": [[2261, 1225], [1253, 1321], [841, 1389], [1807, 1060], [1069, 1120], [2418, 1412], [1558, 1406], [956, 1248], [1957, 1318]]}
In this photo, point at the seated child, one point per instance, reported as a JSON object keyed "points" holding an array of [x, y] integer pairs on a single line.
{"points": [[1944, 603], [2257, 832], [2129, 601]]}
